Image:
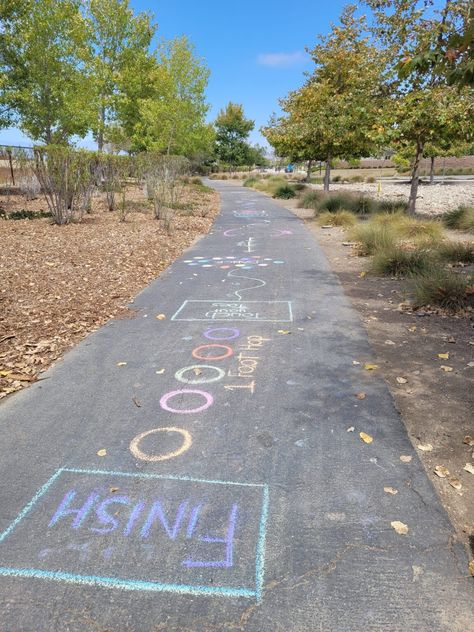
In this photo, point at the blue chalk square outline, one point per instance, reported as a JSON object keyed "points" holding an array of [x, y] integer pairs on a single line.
{"points": [[125, 584]]}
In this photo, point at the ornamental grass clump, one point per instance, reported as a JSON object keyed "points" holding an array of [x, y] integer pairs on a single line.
{"points": [[443, 288]]}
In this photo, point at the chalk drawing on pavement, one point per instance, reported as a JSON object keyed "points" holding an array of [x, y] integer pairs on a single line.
{"points": [[238, 293], [228, 262], [228, 310], [140, 531], [155, 458], [208, 400]]}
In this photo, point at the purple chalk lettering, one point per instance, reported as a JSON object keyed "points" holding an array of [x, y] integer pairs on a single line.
{"points": [[156, 511], [193, 521], [133, 518], [228, 561], [81, 513], [104, 517]]}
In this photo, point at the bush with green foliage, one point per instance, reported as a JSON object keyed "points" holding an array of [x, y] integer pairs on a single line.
{"points": [[250, 182], [456, 251], [461, 218], [311, 199], [392, 206], [373, 237], [444, 288], [284, 192], [399, 261], [299, 186]]}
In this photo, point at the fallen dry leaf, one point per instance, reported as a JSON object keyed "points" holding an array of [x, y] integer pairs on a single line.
{"points": [[365, 437], [389, 342], [160, 371], [20, 377], [121, 364], [355, 362], [412, 328], [445, 368], [469, 467], [160, 317], [441, 471], [454, 482], [443, 356], [362, 275], [402, 380], [390, 490], [361, 395], [468, 440], [113, 490], [137, 402], [102, 452], [425, 447], [370, 367], [197, 371], [405, 459], [400, 527], [284, 331], [351, 429]]}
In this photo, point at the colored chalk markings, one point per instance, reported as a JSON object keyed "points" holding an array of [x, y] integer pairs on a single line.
{"points": [[246, 311], [141, 532]]}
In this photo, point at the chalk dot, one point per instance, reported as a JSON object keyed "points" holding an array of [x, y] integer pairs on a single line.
{"points": [[278, 262], [262, 265], [207, 265]]}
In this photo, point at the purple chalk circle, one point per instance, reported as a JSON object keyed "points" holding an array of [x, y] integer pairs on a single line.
{"points": [[187, 411], [198, 368], [210, 333]]}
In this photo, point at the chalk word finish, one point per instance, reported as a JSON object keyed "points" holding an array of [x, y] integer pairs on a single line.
{"points": [[143, 532], [228, 310]]}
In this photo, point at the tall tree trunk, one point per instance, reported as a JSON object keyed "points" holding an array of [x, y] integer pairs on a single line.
{"points": [[327, 173], [415, 174], [308, 171], [432, 170], [9, 153], [100, 134]]}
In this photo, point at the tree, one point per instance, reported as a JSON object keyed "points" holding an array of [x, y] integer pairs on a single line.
{"points": [[334, 114], [172, 118], [413, 35], [44, 89], [119, 50], [232, 131]]}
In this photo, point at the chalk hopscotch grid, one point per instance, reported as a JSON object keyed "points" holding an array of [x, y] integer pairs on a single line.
{"points": [[125, 584], [260, 320]]}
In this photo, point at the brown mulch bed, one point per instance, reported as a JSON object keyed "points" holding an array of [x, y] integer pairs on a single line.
{"points": [[59, 283]]}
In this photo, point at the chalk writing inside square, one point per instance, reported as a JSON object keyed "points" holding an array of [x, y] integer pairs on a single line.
{"points": [[248, 311]]}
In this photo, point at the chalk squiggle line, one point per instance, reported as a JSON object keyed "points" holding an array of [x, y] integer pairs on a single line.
{"points": [[240, 276]]}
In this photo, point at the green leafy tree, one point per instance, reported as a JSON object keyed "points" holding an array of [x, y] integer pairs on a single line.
{"points": [[43, 86], [119, 51], [413, 34], [172, 119], [334, 114], [232, 131]]}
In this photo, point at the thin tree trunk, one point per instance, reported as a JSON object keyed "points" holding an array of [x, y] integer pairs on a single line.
{"points": [[327, 173], [308, 171], [432, 170], [11, 165], [100, 135], [415, 178]]}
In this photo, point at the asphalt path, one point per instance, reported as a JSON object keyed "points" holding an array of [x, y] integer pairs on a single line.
{"points": [[199, 466]]}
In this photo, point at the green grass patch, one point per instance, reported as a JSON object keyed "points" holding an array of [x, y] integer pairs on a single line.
{"points": [[285, 192], [456, 252], [310, 199], [373, 237], [346, 219], [401, 262], [444, 288]]}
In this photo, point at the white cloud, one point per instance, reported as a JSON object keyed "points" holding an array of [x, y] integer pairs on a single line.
{"points": [[282, 60]]}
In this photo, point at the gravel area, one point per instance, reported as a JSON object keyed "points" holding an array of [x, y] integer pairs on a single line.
{"points": [[433, 199]]}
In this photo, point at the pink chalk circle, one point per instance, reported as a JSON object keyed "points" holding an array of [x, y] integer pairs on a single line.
{"points": [[187, 411], [210, 333]]}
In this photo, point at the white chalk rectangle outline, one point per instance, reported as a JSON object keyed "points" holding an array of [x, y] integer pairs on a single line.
{"points": [[259, 320], [144, 585]]}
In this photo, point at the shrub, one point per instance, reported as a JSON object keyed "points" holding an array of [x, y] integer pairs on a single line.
{"points": [[24, 214], [400, 262], [362, 204], [425, 230], [336, 179], [196, 181], [467, 220], [457, 252], [370, 180], [336, 202], [284, 192], [311, 200], [299, 186], [453, 218], [250, 182], [356, 179], [447, 289], [341, 218], [373, 237], [392, 206]]}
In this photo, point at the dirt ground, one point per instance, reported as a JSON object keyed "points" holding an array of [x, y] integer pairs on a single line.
{"points": [[59, 283], [436, 405]]}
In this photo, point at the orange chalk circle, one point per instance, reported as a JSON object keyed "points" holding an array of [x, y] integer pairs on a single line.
{"points": [[155, 458], [228, 352]]}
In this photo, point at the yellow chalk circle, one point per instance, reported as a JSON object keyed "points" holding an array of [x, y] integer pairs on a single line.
{"points": [[154, 458]]}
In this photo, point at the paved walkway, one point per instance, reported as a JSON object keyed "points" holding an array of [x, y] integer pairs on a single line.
{"points": [[235, 492]]}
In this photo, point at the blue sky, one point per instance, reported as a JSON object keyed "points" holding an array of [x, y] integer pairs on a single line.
{"points": [[255, 50]]}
